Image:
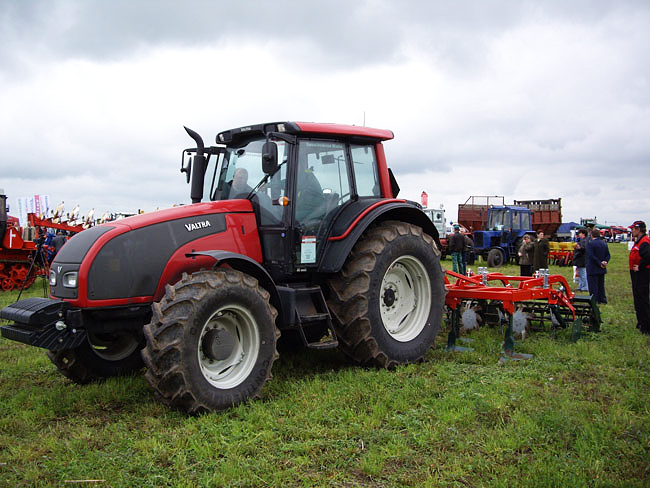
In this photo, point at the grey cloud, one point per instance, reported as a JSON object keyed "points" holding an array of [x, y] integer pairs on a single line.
{"points": [[586, 113], [340, 32]]}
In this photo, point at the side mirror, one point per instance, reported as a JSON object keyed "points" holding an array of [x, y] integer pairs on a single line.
{"points": [[186, 167], [269, 158]]}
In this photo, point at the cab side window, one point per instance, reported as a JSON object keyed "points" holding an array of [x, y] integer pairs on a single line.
{"points": [[322, 182], [364, 163]]}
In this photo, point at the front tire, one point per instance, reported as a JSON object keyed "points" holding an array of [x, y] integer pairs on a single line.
{"points": [[387, 301], [495, 258], [101, 356], [211, 341]]}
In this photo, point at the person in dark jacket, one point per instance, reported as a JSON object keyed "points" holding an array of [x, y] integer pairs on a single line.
{"points": [[580, 260], [526, 251], [468, 257], [640, 275], [597, 259], [58, 242], [456, 246], [540, 256]]}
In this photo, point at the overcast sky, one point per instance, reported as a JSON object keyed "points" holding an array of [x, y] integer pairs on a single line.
{"points": [[528, 100]]}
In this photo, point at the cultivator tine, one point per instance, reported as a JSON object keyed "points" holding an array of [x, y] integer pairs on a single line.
{"points": [[509, 338], [454, 333], [576, 330], [508, 353]]}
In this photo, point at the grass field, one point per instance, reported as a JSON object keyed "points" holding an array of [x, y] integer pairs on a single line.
{"points": [[577, 414]]}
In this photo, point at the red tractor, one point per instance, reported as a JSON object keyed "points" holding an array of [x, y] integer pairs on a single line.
{"points": [[294, 229]]}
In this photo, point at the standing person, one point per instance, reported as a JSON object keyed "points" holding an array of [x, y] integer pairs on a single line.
{"points": [[456, 248], [467, 255], [526, 251], [580, 260], [640, 275], [540, 256], [57, 243], [597, 259]]}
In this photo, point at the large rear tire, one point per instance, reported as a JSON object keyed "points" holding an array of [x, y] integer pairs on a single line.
{"points": [[211, 341], [387, 301], [101, 356]]}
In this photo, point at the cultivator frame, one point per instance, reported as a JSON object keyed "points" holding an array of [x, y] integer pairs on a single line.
{"points": [[539, 298]]}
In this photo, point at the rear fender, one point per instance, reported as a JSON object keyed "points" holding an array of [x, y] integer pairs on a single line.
{"points": [[360, 216]]}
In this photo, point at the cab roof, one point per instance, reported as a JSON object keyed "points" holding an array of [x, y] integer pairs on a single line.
{"points": [[241, 134]]}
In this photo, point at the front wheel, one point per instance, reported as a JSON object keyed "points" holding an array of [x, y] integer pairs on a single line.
{"points": [[387, 300], [101, 356], [495, 258], [211, 341]]}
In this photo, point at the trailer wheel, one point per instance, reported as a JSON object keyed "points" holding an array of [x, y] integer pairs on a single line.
{"points": [[495, 258], [387, 301], [211, 341], [101, 356]]}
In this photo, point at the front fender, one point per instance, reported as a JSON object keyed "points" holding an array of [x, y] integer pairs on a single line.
{"points": [[243, 263]]}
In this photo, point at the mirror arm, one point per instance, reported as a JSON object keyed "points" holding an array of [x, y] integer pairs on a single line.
{"points": [[291, 139]]}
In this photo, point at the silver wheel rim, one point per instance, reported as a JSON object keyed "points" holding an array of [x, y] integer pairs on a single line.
{"points": [[119, 347], [405, 300], [243, 331]]}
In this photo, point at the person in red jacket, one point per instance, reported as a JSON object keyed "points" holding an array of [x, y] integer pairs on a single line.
{"points": [[640, 275]]}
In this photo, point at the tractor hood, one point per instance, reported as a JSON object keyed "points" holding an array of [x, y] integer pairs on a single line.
{"points": [[125, 259]]}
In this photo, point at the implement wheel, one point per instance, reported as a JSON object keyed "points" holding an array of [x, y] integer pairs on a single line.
{"points": [[387, 300], [211, 342]]}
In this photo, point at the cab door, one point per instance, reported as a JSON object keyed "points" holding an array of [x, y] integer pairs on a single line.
{"points": [[274, 217], [322, 185]]}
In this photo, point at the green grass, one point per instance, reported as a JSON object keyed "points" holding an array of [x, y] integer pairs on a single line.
{"points": [[576, 415]]}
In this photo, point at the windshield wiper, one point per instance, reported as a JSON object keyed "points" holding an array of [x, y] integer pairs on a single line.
{"points": [[264, 180]]}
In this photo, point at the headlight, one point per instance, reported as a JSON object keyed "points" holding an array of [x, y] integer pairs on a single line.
{"points": [[52, 277], [69, 279]]}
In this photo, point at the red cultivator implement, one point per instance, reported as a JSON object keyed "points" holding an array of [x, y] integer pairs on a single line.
{"points": [[518, 302]]}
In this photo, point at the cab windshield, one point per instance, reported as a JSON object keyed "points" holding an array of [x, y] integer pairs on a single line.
{"points": [[238, 175], [498, 219]]}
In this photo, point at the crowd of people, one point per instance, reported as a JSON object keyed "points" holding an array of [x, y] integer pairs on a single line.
{"points": [[590, 258]]}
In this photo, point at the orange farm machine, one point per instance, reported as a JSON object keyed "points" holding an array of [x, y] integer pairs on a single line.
{"points": [[519, 304]]}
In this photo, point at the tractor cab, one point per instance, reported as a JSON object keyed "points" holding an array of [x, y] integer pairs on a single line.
{"points": [[300, 179], [505, 227]]}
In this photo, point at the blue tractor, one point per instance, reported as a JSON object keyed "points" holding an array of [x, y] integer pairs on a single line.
{"points": [[503, 234]]}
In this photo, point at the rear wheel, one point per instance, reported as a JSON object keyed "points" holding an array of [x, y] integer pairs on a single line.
{"points": [[387, 300], [211, 342], [101, 356]]}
